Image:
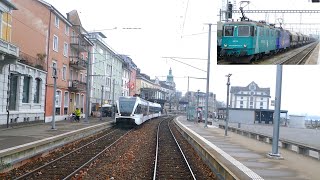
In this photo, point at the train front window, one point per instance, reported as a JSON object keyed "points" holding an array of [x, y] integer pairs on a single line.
{"points": [[126, 105], [252, 31], [228, 30], [243, 31]]}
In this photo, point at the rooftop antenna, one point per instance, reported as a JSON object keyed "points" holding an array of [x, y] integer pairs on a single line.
{"points": [[244, 18]]}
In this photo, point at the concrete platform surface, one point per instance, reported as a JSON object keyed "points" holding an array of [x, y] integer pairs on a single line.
{"points": [[252, 154], [12, 137], [309, 137]]}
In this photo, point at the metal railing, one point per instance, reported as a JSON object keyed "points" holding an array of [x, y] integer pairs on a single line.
{"points": [[78, 63], [76, 85], [9, 48]]}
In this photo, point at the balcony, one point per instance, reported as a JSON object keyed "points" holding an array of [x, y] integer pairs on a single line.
{"points": [[78, 63], [8, 48], [9, 53], [76, 86], [80, 43]]}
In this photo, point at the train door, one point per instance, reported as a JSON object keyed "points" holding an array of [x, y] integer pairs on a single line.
{"points": [[258, 34]]}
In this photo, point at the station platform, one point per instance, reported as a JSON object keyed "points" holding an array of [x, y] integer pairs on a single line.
{"points": [[20, 143], [240, 157], [314, 57]]}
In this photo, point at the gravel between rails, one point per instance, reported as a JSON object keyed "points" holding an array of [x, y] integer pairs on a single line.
{"points": [[133, 157], [40, 160]]}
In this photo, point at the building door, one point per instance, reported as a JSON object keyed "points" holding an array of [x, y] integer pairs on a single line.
{"points": [[13, 92], [72, 102]]}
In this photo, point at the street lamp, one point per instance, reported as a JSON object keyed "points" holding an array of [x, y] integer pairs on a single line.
{"points": [[227, 108]]}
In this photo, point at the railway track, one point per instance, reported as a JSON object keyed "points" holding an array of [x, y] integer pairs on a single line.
{"points": [[70, 164], [170, 161], [299, 58]]}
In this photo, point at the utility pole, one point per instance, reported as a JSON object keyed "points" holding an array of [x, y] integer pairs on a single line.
{"points": [[198, 99], [54, 76], [227, 113], [101, 102], [208, 75], [227, 11], [113, 84], [188, 113], [86, 120], [276, 121]]}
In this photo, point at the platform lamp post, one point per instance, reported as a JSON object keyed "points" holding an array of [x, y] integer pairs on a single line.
{"points": [[227, 107], [86, 120], [101, 102], [54, 76]]}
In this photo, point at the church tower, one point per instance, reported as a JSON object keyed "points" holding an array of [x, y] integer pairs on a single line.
{"points": [[169, 80]]}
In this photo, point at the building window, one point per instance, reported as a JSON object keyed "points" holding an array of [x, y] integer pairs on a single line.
{"points": [[58, 102], [64, 72], [66, 103], [241, 102], [241, 106], [55, 43], [251, 98], [261, 107], [81, 103], [66, 30], [36, 98], [13, 92], [261, 98], [81, 77], [251, 103], [261, 103], [57, 21], [241, 97], [251, 107], [26, 89], [71, 74], [77, 100], [251, 93], [65, 49]]}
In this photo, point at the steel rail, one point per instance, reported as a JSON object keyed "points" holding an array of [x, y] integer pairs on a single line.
{"points": [[184, 157], [49, 163], [311, 50], [303, 58], [157, 149], [93, 158]]}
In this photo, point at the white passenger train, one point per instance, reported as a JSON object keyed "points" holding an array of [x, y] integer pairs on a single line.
{"points": [[136, 110]]}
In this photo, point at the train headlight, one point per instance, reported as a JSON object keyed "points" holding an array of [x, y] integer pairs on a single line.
{"points": [[225, 45], [245, 45]]}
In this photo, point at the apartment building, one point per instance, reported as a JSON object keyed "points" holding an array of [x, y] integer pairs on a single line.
{"points": [[249, 97], [101, 70], [131, 81], [11, 92], [80, 48]]}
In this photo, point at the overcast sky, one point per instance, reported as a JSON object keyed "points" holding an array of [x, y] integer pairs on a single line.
{"points": [[168, 30]]}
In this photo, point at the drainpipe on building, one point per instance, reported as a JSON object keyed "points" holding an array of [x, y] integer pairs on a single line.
{"points": [[8, 95]]}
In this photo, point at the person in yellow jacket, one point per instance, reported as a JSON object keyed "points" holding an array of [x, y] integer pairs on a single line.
{"points": [[77, 113]]}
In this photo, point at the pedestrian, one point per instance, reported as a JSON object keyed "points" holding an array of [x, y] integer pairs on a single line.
{"points": [[77, 113]]}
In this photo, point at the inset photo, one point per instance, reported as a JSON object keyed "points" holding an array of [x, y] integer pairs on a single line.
{"points": [[268, 32]]}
